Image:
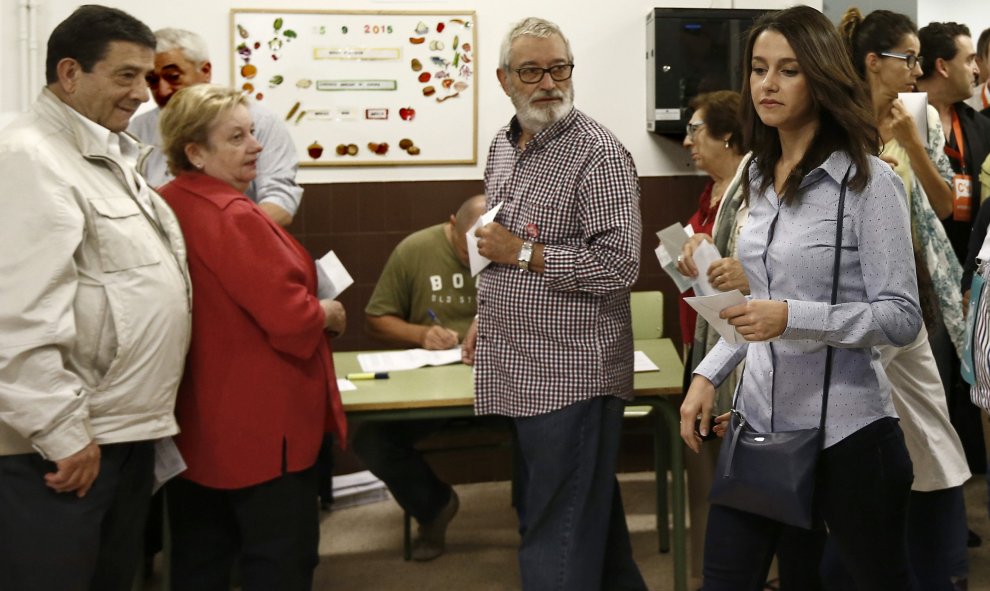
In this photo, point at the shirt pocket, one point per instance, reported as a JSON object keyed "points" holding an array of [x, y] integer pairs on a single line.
{"points": [[124, 236]]}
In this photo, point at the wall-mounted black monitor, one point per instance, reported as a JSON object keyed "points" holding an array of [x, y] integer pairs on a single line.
{"points": [[690, 51]]}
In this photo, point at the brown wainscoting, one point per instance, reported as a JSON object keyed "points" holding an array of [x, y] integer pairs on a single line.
{"points": [[362, 223]]}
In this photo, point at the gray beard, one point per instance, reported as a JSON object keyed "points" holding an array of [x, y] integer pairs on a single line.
{"points": [[536, 119]]}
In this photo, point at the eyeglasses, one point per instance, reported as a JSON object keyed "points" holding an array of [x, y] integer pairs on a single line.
{"points": [[692, 128], [533, 75], [909, 58]]}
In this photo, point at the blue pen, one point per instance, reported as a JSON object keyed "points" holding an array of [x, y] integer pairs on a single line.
{"points": [[433, 316]]}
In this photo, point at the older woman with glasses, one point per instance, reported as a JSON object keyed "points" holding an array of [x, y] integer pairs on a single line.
{"points": [[259, 387], [714, 139]]}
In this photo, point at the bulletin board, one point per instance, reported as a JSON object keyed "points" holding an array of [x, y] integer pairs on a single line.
{"points": [[363, 88]]}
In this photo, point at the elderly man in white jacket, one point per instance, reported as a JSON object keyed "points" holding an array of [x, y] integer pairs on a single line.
{"points": [[94, 315]]}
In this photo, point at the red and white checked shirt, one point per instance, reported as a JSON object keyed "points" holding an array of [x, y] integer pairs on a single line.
{"points": [[548, 340]]}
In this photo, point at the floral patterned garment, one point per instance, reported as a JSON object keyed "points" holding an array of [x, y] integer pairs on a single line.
{"points": [[939, 258]]}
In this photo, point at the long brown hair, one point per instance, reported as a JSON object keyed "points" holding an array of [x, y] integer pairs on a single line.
{"points": [[837, 94]]}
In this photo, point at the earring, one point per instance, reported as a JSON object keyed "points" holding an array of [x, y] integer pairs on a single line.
{"points": [[199, 165], [726, 144]]}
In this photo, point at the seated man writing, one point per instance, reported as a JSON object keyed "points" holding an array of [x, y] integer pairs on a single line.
{"points": [[424, 298]]}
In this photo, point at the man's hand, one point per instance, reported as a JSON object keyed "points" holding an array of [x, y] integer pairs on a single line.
{"points": [[76, 472], [438, 338], [279, 215], [336, 318], [470, 341], [758, 320], [498, 244]]}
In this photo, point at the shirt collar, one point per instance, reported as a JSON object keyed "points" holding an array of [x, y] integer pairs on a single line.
{"points": [[545, 136], [117, 144], [834, 166]]}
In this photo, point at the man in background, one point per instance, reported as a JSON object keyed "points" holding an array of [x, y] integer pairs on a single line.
{"points": [[425, 297], [980, 101], [553, 347], [182, 60], [95, 315]]}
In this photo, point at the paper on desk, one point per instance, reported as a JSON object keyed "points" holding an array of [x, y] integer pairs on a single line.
{"points": [[409, 359], [344, 385], [917, 105], [643, 363], [704, 256], [333, 278], [709, 307], [477, 261]]}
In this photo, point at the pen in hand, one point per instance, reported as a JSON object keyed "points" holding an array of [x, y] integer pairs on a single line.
{"points": [[437, 337], [433, 316]]}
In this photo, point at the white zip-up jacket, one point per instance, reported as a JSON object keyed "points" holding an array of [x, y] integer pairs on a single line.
{"points": [[94, 294]]}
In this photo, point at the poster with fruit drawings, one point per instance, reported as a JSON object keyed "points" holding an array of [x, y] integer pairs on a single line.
{"points": [[363, 88]]}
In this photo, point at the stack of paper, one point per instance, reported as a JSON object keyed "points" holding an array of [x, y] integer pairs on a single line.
{"points": [[359, 488], [409, 359]]}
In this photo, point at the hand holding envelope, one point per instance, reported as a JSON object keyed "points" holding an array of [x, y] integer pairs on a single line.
{"points": [[477, 261]]}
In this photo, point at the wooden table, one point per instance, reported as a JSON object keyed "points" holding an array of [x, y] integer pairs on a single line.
{"points": [[448, 391]]}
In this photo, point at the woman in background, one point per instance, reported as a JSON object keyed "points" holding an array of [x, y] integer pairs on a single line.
{"points": [[805, 119], [714, 139], [885, 51], [259, 387]]}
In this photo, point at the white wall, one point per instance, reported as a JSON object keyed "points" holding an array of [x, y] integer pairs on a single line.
{"points": [[608, 39]]}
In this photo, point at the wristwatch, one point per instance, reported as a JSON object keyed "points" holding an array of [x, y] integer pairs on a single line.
{"points": [[525, 254]]}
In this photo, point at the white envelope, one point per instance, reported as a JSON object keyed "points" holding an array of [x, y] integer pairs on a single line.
{"points": [[333, 277], [703, 257], [917, 105], [477, 261], [708, 308]]}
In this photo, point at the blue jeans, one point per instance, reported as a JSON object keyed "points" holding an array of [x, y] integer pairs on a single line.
{"points": [[862, 488], [936, 543], [574, 530]]}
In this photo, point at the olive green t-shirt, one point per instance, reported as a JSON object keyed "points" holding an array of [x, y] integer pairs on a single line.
{"points": [[423, 273]]}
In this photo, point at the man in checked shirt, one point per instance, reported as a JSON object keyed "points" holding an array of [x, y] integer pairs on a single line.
{"points": [[552, 344]]}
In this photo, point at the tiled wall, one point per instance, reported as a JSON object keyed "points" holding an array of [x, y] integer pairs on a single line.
{"points": [[362, 223]]}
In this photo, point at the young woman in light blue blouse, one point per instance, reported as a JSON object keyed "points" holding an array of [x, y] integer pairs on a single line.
{"points": [[807, 123]]}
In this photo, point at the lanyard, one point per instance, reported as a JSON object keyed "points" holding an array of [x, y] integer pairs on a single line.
{"points": [[960, 153]]}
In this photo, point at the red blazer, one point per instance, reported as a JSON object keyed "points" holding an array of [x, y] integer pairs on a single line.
{"points": [[259, 388]]}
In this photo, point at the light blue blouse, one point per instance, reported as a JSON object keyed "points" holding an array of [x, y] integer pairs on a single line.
{"points": [[878, 301]]}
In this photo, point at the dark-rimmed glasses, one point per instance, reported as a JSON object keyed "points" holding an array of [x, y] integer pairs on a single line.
{"points": [[534, 75], [692, 128], [909, 58]]}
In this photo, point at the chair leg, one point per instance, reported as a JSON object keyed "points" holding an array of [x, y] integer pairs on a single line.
{"points": [[406, 536], [661, 458]]}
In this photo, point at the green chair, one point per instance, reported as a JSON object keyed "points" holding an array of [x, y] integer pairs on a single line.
{"points": [[647, 323]]}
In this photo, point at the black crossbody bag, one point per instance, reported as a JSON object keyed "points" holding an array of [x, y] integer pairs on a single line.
{"points": [[773, 474]]}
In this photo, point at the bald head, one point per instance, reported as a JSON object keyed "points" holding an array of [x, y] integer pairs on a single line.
{"points": [[462, 221]]}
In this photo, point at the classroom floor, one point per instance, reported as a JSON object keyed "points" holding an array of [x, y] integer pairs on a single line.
{"points": [[361, 547]]}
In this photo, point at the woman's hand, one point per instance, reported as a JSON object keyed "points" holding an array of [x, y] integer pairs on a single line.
{"points": [[698, 403], [685, 262], [335, 321], [722, 424], [758, 320], [902, 126], [727, 274]]}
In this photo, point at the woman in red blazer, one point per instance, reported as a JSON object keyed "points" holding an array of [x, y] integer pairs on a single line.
{"points": [[259, 389]]}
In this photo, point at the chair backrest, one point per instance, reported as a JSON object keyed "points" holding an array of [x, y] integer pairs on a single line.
{"points": [[647, 314]]}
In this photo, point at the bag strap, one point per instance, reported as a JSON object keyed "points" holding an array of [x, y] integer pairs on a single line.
{"points": [[835, 295], [835, 292]]}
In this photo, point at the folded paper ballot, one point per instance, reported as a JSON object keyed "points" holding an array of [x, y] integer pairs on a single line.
{"points": [[708, 307], [917, 105], [332, 277], [477, 261]]}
